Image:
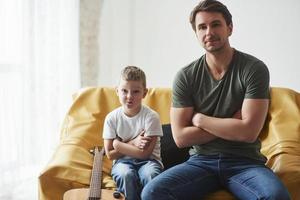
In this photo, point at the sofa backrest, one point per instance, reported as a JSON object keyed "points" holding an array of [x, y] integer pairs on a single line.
{"points": [[281, 133], [83, 123]]}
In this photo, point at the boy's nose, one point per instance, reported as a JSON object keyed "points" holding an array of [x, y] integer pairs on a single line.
{"points": [[129, 95]]}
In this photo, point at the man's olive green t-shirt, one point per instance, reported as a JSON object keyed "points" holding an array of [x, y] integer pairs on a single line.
{"points": [[246, 78]]}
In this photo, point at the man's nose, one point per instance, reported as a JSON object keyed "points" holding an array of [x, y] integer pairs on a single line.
{"points": [[209, 30]]}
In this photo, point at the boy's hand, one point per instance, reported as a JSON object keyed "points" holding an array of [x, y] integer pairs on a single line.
{"points": [[141, 141]]}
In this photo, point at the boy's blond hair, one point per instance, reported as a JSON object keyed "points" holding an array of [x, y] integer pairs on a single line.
{"points": [[133, 73]]}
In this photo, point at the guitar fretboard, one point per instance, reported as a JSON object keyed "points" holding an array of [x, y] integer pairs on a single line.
{"points": [[95, 185]]}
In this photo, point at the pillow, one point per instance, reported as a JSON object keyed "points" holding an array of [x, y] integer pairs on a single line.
{"points": [[170, 153]]}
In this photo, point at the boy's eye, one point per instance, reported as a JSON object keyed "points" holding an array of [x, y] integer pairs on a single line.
{"points": [[124, 91], [136, 91]]}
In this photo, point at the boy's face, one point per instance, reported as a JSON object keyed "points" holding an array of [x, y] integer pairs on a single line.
{"points": [[130, 95]]}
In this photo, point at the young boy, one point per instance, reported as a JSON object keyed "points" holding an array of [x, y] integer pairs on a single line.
{"points": [[132, 136]]}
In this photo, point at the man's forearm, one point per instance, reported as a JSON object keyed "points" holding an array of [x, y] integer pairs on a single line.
{"points": [[184, 133], [192, 135], [226, 128], [244, 126]]}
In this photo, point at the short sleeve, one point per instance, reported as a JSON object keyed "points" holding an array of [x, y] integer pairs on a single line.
{"points": [[153, 125], [181, 96], [109, 129], [257, 82]]}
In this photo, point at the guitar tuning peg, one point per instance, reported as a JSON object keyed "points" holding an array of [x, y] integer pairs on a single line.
{"points": [[92, 151]]}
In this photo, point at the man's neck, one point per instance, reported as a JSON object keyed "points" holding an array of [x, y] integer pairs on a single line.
{"points": [[218, 62]]}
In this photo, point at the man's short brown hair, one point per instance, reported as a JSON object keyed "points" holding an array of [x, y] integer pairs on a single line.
{"points": [[210, 6]]}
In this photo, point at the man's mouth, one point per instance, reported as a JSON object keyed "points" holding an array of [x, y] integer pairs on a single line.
{"points": [[211, 40]]}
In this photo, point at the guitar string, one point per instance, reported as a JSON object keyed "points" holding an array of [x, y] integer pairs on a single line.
{"points": [[95, 191]]}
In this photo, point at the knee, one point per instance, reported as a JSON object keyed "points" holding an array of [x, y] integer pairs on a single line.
{"points": [[124, 176], [148, 176], [275, 197], [155, 190], [149, 192], [277, 194], [128, 175]]}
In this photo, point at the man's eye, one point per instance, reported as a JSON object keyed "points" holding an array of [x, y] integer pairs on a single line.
{"points": [[201, 28], [216, 24]]}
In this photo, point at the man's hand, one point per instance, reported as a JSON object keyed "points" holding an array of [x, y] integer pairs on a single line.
{"points": [[197, 119], [249, 121], [141, 141]]}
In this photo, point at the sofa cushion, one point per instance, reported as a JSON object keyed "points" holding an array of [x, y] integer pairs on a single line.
{"points": [[170, 153]]}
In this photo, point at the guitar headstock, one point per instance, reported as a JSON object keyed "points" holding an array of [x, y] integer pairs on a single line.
{"points": [[97, 149]]}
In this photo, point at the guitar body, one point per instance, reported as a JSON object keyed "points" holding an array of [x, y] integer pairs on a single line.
{"points": [[94, 192], [83, 194]]}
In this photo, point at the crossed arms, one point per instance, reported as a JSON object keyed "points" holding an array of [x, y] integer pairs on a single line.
{"points": [[191, 128], [140, 147]]}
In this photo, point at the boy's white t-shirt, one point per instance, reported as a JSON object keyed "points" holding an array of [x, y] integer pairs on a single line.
{"points": [[118, 124]]}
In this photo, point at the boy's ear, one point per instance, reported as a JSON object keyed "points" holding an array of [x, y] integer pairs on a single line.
{"points": [[145, 92], [116, 89]]}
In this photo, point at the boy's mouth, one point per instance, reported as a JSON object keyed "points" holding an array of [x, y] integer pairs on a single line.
{"points": [[129, 103]]}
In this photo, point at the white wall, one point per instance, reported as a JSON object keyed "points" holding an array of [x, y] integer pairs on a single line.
{"points": [[156, 36]]}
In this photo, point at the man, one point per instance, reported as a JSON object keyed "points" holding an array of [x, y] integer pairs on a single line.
{"points": [[219, 105]]}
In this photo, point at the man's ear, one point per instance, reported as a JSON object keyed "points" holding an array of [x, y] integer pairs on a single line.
{"points": [[145, 92], [230, 27]]}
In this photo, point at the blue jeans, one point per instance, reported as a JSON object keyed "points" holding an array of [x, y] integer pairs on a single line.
{"points": [[131, 175], [246, 179]]}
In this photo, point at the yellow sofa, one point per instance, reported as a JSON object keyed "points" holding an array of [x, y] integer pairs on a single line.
{"points": [[70, 166]]}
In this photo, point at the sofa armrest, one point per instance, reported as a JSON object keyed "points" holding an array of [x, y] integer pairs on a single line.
{"points": [[287, 166], [69, 168]]}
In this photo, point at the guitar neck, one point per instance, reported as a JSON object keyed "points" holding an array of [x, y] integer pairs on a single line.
{"points": [[96, 178]]}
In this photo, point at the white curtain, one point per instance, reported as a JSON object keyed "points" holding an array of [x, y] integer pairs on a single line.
{"points": [[39, 71]]}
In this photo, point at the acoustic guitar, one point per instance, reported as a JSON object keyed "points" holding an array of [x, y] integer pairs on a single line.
{"points": [[94, 192]]}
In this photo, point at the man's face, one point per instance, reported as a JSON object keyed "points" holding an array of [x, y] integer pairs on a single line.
{"points": [[212, 31]]}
